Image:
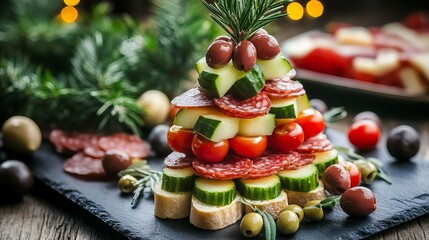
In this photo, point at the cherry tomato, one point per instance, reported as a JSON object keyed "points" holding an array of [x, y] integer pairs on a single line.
{"points": [[286, 137], [325, 60], [209, 151], [311, 121], [364, 134], [180, 139], [250, 147], [353, 171]]}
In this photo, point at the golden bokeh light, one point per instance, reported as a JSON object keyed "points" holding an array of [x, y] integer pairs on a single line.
{"points": [[71, 2], [295, 11], [314, 8], [69, 14]]}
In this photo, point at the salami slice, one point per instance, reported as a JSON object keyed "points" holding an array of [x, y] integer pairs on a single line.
{"points": [[268, 165], [83, 165], [231, 167], [178, 160], [72, 142], [258, 105], [319, 143], [284, 88], [301, 161], [134, 146], [192, 98]]}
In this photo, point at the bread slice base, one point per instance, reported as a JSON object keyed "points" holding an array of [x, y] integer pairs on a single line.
{"points": [[273, 206], [212, 217], [301, 198], [171, 205]]}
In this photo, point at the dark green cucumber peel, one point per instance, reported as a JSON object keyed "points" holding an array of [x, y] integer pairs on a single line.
{"points": [[208, 84], [284, 112], [177, 184], [249, 85], [258, 193], [306, 183], [322, 165], [215, 199], [206, 127]]}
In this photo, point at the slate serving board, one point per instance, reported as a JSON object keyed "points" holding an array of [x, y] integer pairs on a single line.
{"points": [[405, 199]]}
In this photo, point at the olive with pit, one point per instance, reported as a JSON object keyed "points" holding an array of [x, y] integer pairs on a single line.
{"points": [[21, 135], [266, 46], [251, 224], [244, 56], [288, 222], [219, 53], [115, 161], [313, 211], [403, 142], [336, 179], [127, 183], [16, 179], [296, 209], [368, 171], [358, 201]]}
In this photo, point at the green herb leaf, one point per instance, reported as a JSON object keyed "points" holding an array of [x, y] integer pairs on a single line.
{"points": [[335, 114], [329, 202]]}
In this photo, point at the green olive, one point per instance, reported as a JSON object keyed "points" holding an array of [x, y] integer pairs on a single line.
{"points": [[127, 183], [288, 222], [368, 170], [21, 135], [296, 209], [312, 211], [251, 224]]}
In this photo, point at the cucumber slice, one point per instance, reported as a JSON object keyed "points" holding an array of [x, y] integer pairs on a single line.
{"points": [[217, 127], [187, 117], [249, 85], [276, 67], [258, 126], [325, 159], [302, 103], [266, 188], [304, 179], [214, 192], [216, 82], [284, 108], [177, 180]]}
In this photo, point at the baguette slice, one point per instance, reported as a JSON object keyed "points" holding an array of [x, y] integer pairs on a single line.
{"points": [[213, 217], [273, 206], [301, 198], [171, 205]]}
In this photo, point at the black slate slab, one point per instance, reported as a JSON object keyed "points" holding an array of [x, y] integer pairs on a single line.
{"points": [[405, 199]]}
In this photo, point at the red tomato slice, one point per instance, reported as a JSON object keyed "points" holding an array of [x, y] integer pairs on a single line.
{"points": [[180, 139], [209, 151], [353, 171], [286, 137], [325, 60], [364, 134], [250, 147], [311, 121]]}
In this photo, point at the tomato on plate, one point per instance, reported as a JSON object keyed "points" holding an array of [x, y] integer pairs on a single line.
{"points": [[326, 60], [250, 147], [353, 171], [180, 139], [364, 134], [311, 121], [286, 137], [208, 151]]}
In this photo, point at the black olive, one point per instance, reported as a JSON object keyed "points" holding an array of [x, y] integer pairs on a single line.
{"points": [[16, 179], [403, 142], [115, 161], [244, 56], [266, 46], [319, 105], [158, 140]]}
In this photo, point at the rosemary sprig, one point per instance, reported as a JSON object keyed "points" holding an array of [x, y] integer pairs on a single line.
{"points": [[241, 18], [270, 227]]}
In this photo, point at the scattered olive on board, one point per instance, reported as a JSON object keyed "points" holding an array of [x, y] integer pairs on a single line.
{"points": [[367, 115], [403, 142], [312, 211], [296, 209], [266, 46], [288, 222], [156, 107], [158, 140], [16, 179], [219, 53], [127, 183], [244, 56], [336, 179], [319, 105], [368, 170], [358, 201], [115, 161], [21, 135], [251, 224]]}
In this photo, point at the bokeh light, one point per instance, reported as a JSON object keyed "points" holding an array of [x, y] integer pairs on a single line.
{"points": [[69, 14], [314, 8], [295, 11], [71, 2]]}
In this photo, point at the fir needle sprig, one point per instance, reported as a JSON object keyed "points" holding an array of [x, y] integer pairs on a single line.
{"points": [[242, 18]]}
